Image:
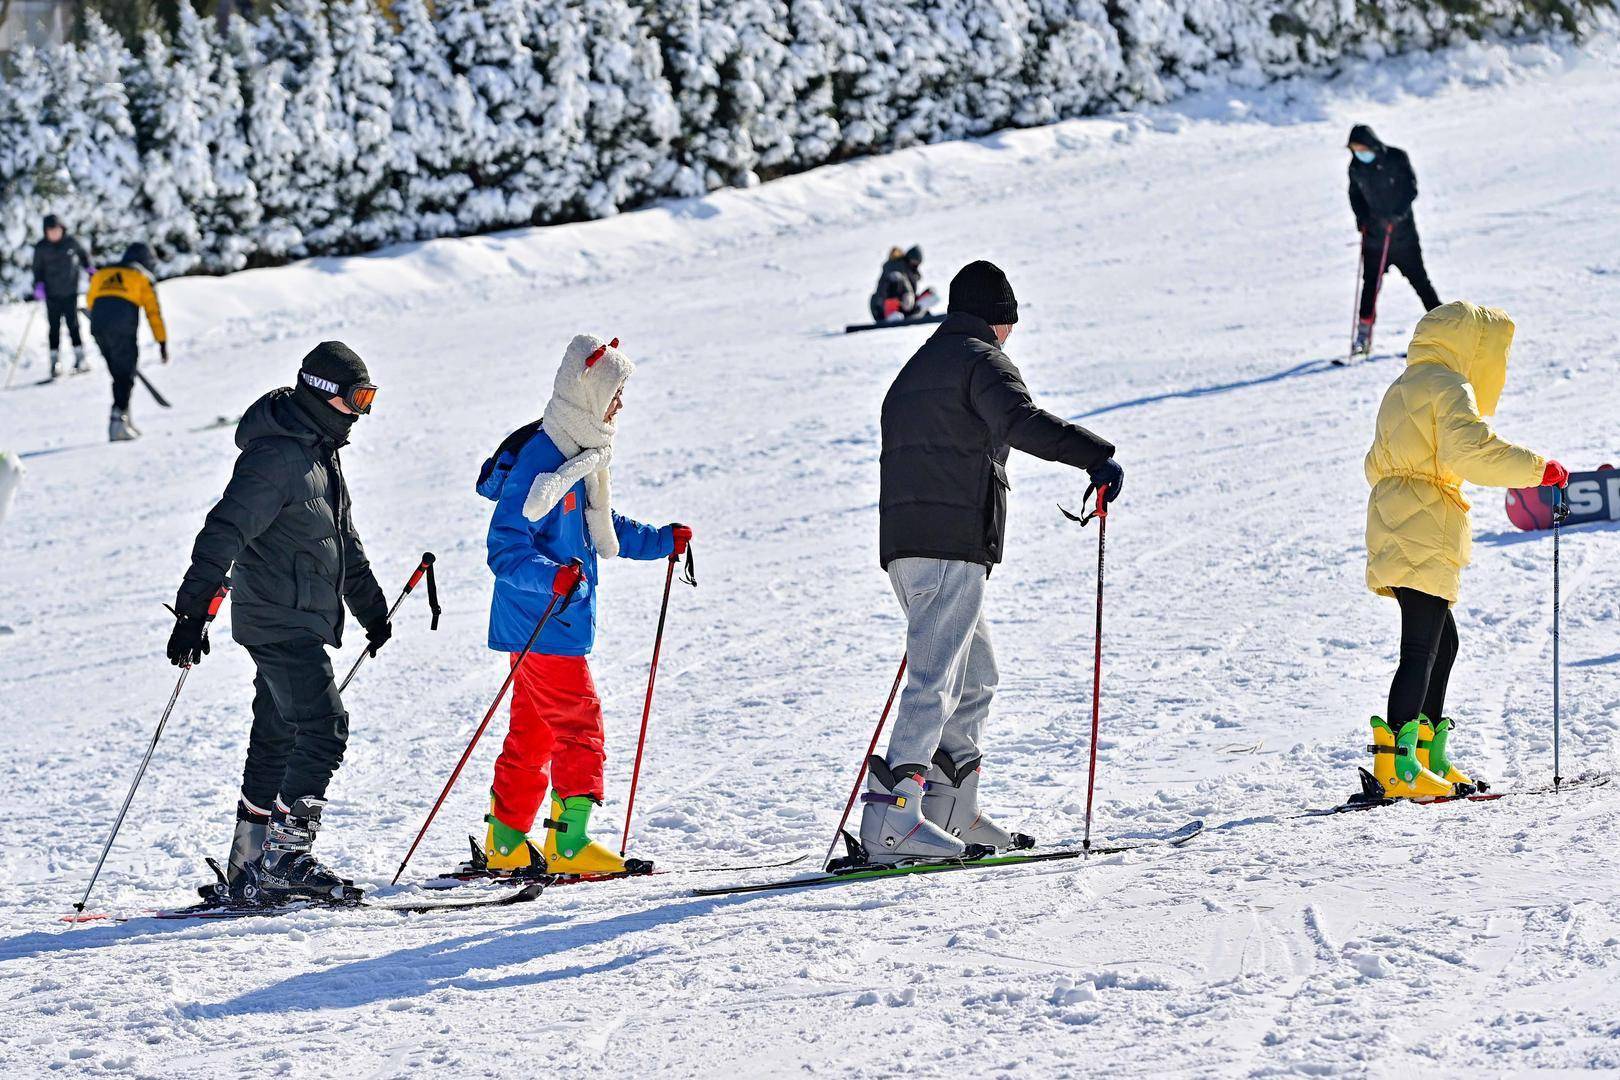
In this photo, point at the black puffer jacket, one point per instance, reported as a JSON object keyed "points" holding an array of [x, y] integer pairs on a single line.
{"points": [[284, 524], [59, 265], [898, 280], [948, 421], [1383, 192]]}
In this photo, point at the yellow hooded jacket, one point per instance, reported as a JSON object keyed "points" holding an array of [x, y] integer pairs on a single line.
{"points": [[131, 285], [1430, 438]]}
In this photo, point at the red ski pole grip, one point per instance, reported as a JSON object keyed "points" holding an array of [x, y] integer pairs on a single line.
{"points": [[421, 568], [568, 577], [219, 598]]}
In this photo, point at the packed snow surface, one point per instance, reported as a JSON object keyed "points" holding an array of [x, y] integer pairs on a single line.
{"points": [[1185, 277]]}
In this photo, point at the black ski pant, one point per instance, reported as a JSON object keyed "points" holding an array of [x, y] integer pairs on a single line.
{"points": [[121, 353], [59, 310], [1405, 255], [299, 727], [1428, 648]]}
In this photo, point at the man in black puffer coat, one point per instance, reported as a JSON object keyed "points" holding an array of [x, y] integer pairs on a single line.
{"points": [[283, 536], [949, 420], [1383, 188], [59, 259]]}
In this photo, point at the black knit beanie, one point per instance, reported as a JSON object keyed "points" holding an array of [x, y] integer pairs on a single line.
{"points": [[335, 365], [980, 288], [52, 222]]}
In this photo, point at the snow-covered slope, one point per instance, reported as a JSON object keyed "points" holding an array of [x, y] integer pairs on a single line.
{"points": [[1185, 274]]}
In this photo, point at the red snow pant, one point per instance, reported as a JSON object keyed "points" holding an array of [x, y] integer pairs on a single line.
{"points": [[556, 721]]}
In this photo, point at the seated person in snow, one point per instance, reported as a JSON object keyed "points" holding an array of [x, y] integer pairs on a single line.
{"points": [[896, 296]]}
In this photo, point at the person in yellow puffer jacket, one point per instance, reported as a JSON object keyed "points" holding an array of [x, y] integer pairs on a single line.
{"points": [[1431, 437]]}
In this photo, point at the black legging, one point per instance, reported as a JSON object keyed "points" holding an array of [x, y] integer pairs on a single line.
{"points": [[1405, 255], [1428, 648], [59, 310]]}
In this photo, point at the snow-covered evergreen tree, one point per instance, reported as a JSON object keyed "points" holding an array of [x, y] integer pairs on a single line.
{"points": [[230, 218], [632, 122], [364, 81], [177, 179], [1073, 66], [274, 150], [560, 163], [29, 181], [437, 122]]}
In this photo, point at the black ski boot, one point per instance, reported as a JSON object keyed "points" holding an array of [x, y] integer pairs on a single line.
{"points": [[289, 870]]}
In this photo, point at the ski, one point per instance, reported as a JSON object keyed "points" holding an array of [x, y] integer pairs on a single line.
{"points": [[215, 911], [877, 873], [1369, 803], [157, 397], [471, 873], [920, 320]]}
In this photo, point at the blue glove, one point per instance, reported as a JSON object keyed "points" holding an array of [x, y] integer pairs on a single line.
{"points": [[1111, 473]]}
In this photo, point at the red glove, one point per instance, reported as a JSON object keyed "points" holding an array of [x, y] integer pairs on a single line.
{"points": [[1555, 476], [683, 536], [567, 578]]}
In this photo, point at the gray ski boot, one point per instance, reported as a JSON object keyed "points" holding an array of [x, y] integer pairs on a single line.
{"points": [[80, 366], [119, 429], [247, 846], [952, 803], [56, 363], [893, 828], [289, 870]]}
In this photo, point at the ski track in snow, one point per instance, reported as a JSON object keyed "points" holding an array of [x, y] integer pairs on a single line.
{"points": [[1184, 276]]}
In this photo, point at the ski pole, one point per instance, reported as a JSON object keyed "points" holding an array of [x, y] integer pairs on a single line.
{"points": [[652, 677], [33, 310], [118, 823], [558, 593], [870, 750], [425, 567], [1560, 511], [1355, 300], [1101, 514], [1378, 286]]}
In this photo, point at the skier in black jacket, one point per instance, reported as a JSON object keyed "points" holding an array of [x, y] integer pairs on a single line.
{"points": [[284, 525], [896, 296], [949, 420], [1383, 188], [59, 259]]}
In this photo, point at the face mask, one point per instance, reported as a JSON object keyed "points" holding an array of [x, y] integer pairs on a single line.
{"points": [[1366, 157]]}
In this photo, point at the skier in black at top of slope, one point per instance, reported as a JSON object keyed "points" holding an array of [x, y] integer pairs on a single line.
{"points": [[59, 259], [1383, 188], [283, 535]]}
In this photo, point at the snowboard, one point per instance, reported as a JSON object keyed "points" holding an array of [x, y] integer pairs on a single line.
{"points": [[1593, 496], [917, 320]]}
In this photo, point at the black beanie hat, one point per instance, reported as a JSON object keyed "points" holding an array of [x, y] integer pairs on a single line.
{"points": [[335, 365], [52, 222], [980, 288]]}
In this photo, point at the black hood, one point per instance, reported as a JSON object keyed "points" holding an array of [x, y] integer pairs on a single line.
{"points": [[138, 254], [274, 416], [1363, 134]]}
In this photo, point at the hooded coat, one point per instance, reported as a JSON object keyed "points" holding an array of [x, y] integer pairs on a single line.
{"points": [[553, 500], [1431, 436], [1382, 192], [283, 534]]}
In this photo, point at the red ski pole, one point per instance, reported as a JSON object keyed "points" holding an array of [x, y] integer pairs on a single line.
{"points": [[652, 678], [1355, 300], [1101, 514], [425, 567], [1378, 286], [870, 750], [561, 589]]}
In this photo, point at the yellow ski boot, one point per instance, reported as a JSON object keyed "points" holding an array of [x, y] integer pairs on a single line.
{"points": [[1396, 766], [508, 850], [1432, 741], [569, 848]]}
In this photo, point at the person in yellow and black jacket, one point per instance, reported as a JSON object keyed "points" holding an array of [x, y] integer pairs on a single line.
{"points": [[118, 294], [1431, 437]]}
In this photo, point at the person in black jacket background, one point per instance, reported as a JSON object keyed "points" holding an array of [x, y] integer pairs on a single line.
{"points": [[283, 535], [1383, 188], [949, 420], [59, 259], [897, 295]]}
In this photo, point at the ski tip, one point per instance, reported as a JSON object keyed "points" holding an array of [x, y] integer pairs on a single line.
{"points": [[82, 917]]}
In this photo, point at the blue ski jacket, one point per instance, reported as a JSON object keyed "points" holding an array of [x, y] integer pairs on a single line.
{"points": [[525, 555]]}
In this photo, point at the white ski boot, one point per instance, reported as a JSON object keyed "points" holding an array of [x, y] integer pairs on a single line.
{"points": [[56, 365], [80, 366], [119, 429], [1363, 341], [893, 828], [952, 803]]}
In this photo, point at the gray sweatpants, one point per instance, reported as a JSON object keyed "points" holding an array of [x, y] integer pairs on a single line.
{"points": [[951, 667]]}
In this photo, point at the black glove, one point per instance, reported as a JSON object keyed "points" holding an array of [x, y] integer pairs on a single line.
{"points": [[163, 350], [378, 633], [1111, 473], [188, 641]]}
